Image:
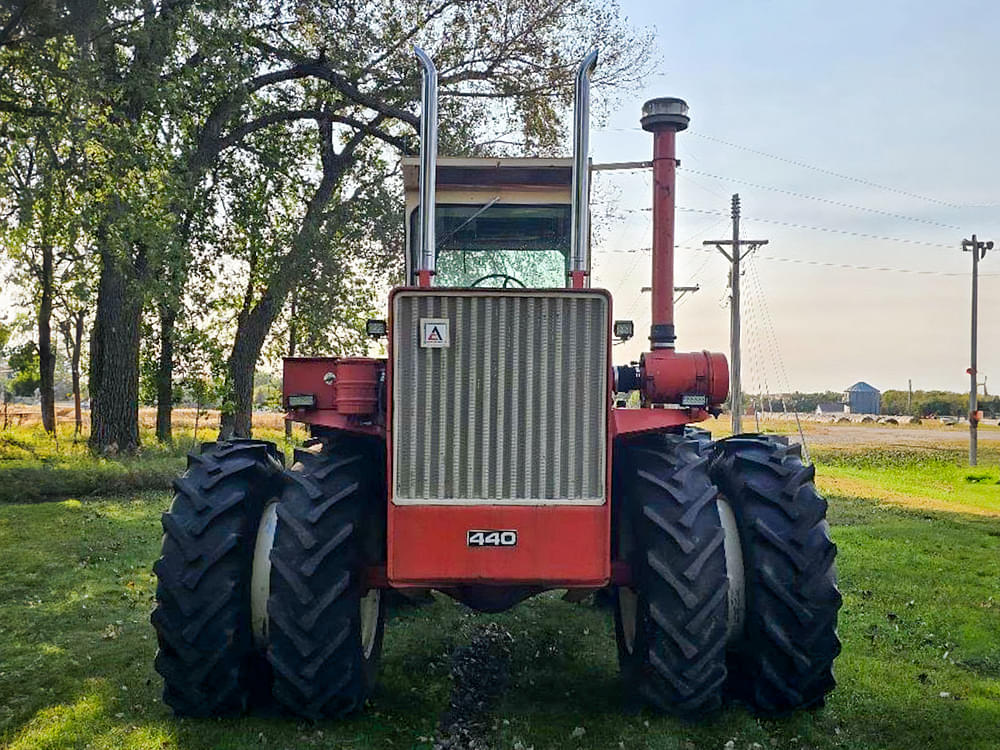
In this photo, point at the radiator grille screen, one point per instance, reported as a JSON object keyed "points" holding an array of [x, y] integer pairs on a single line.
{"points": [[513, 410]]}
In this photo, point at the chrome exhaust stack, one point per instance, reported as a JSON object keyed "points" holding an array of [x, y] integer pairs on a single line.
{"points": [[580, 230], [428, 166]]}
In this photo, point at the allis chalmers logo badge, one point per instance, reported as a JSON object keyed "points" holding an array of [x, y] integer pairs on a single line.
{"points": [[434, 333]]}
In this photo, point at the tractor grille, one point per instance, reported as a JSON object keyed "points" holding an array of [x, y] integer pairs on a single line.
{"points": [[512, 411]]}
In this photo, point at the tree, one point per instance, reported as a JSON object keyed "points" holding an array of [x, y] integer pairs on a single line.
{"points": [[317, 99], [39, 174], [23, 362]]}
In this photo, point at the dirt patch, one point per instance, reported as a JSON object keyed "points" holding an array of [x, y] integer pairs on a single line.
{"points": [[480, 671]]}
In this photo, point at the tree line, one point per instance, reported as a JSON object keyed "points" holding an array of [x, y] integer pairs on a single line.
{"points": [[188, 189], [894, 402]]}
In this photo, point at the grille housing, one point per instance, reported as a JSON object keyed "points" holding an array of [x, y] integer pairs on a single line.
{"points": [[513, 411]]}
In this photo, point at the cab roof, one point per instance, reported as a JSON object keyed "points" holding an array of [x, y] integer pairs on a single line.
{"points": [[457, 172]]}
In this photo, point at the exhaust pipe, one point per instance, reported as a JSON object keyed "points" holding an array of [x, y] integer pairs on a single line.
{"points": [[428, 168], [664, 118], [580, 230]]}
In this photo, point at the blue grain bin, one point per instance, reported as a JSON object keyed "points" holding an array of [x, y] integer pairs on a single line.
{"points": [[864, 399]]}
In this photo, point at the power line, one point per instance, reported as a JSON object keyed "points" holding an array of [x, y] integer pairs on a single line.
{"points": [[840, 175], [823, 170], [809, 262], [796, 194], [635, 265], [829, 201], [853, 267], [830, 230], [808, 227]]}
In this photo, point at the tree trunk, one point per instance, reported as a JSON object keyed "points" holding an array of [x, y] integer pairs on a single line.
{"points": [[255, 322], [165, 375], [77, 346], [237, 415], [46, 354], [291, 349], [72, 331], [114, 358]]}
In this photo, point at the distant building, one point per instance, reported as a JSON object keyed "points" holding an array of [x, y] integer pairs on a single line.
{"points": [[862, 398], [831, 407]]}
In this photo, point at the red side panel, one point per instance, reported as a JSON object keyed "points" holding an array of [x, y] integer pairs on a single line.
{"points": [[345, 390], [556, 545], [631, 421]]}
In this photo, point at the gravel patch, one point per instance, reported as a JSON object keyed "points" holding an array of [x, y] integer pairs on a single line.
{"points": [[480, 672]]}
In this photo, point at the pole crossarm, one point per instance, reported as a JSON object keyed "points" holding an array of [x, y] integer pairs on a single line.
{"points": [[611, 166]]}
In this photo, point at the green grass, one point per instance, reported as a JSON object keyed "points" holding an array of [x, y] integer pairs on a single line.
{"points": [[35, 466], [930, 474], [921, 617]]}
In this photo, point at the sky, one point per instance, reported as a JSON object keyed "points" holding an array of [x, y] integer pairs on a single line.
{"points": [[896, 94]]}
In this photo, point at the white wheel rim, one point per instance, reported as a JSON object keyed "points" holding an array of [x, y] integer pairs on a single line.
{"points": [[628, 612], [371, 605], [734, 571], [260, 576]]}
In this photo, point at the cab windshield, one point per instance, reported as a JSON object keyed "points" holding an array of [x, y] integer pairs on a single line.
{"points": [[498, 245]]}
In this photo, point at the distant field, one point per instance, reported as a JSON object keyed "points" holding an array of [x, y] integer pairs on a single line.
{"points": [[25, 416]]}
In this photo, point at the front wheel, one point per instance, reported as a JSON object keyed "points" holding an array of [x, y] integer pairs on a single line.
{"points": [[671, 622], [782, 659], [202, 615], [324, 625]]}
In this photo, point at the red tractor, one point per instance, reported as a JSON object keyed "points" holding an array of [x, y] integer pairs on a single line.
{"points": [[491, 456]]}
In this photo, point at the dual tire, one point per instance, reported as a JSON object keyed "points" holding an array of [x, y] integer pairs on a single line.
{"points": [[250, 611], [734, 584]]}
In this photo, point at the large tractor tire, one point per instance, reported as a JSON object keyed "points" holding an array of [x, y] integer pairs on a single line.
{"points": [[782, 658], [202, 615], [324, 626], [671, 622]]}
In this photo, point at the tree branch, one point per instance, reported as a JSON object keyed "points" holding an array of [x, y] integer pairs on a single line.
{"points": [[349, 89]]}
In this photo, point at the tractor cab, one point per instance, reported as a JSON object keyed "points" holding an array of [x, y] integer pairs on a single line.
{"points": [[500, 223]]}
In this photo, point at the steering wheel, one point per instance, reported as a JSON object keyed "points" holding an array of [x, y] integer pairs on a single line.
{"points": [[507, 278]]}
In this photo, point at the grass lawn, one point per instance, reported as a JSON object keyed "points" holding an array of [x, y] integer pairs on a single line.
{"points": [[34, 466], [920, 625], [927, 478]]}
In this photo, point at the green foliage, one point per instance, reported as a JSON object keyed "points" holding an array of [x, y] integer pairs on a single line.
{"points": [[936, 403], [23, 362], [800, 402]]}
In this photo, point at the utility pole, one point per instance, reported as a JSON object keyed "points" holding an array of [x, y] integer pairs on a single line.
{"points": [[978, 250], [909, 396], [734, 257]]}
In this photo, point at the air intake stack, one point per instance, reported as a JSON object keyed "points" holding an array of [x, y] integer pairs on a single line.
{"points": [[696, 379], [664, 118]]}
